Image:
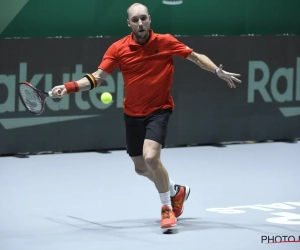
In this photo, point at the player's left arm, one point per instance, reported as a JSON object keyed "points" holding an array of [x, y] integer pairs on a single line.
{"points": [[205, 63]]}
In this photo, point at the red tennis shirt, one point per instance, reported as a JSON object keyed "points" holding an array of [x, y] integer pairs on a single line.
{"points": [[147, 71]]}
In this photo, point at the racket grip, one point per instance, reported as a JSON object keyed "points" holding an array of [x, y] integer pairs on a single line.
{"points": [[51, 94]]}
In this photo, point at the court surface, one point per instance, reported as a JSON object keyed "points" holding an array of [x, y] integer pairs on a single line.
{"points": [[92, 201]]}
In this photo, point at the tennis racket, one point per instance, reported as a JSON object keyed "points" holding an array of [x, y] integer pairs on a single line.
{"points": [[32, 98]]}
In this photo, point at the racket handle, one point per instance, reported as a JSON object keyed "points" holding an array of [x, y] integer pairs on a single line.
{"points": [[51, 94]]}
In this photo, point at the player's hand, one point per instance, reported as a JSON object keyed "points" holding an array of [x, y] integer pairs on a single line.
{"points": [[59, 91], [228, 77]]}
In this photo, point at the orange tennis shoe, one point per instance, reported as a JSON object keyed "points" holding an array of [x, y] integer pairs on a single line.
{"points": [[180, 197], [168, 218]]}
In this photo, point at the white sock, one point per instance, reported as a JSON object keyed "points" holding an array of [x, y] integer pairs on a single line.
{"points": [[172, 188], [165, 199]]}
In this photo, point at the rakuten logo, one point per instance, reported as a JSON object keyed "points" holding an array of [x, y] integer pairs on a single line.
{"points": [[271, 89]]}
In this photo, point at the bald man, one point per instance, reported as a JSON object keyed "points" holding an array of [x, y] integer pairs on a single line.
{"points": [[145, 59]]}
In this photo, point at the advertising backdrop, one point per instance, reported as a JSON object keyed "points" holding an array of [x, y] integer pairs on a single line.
{"points": [[265, 106]]}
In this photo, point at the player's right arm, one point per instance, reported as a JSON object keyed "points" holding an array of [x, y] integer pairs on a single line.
{"points": [[93, 80], [88, 82]]}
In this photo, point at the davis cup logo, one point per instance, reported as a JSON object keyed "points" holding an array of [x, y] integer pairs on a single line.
{"points": [[172, 2]]}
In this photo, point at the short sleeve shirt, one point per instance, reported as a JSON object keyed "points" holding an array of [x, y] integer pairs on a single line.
{"points": [[147, 71]]}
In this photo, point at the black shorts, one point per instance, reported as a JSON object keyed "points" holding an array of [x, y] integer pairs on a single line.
{"points": [[152, 127]]}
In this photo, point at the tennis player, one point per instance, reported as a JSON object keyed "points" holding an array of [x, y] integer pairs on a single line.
{"points": [[145, 59]]}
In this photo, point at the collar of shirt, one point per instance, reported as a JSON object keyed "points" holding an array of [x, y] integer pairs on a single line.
{"points": [[133, 45]]}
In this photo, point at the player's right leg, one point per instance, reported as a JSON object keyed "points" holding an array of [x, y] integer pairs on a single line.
{"points": [[141, 167], [135, 134], [135, 142], [156, 132]]}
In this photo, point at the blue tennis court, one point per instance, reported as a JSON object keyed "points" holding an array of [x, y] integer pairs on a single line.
{"points": [[239, 194]]}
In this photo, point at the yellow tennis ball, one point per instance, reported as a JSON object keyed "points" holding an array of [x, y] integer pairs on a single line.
{"points": [[106, 97]]}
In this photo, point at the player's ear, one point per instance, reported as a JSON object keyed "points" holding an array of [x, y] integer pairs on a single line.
{"points": [[149, 18], [128, 23]]}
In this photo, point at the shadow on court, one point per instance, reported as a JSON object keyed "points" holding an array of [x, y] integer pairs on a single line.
{"points": [[183, 225]]}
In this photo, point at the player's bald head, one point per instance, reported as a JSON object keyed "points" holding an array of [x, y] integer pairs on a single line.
{"points": [[137, 9], [138, 19]]}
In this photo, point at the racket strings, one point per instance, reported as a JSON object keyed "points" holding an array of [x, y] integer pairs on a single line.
{"points": [[31, 99]]}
